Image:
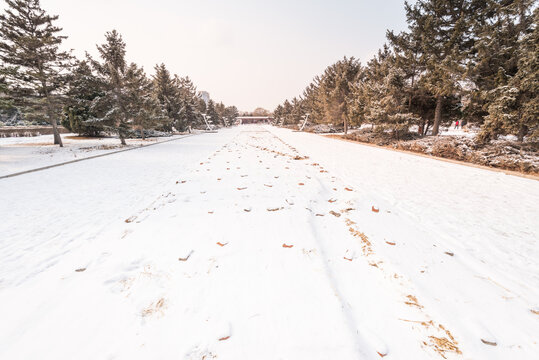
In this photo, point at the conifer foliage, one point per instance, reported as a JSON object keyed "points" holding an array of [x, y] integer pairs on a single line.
{"points": [[94, 96], [467, 60], [32, 61]]}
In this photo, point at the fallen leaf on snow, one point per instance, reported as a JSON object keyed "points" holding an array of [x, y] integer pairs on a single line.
{"points": [[242, 188], [80, 270], [336, 214], [288, 246], [390, 243], [491, 343], [221, 244], [345, 258], [348, 189], [449, 253], [187, 257], [224, 338], [375, 209]]}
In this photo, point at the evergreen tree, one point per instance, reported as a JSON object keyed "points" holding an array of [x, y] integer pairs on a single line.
{"points": [[83, 87], [335, 90], [189, 112], [311, 101], [167, 92], [515, 105], [231, 113], [211, 113], [143, 107], [278, 114], [111, 109], [220, 110], [30, 49], [287, 113], [440, 26]]}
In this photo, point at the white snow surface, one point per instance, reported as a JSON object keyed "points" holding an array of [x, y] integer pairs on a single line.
{"points": [[262, 243], [19, 154]]}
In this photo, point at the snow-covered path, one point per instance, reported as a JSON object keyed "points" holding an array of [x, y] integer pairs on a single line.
{"points": [[262, 243]]}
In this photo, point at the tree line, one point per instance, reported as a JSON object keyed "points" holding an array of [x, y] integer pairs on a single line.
{"points": [[91, 96], [475, 61]]}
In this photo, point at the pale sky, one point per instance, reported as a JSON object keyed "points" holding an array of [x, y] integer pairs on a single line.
{"points": [[247, 53]]}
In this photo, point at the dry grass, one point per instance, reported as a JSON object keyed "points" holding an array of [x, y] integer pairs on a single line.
{"points": [[153, 308], [412, 301], [522, 158], [444, 345]]}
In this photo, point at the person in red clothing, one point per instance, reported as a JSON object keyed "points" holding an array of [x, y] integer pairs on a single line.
{"points": [[456, 124]]}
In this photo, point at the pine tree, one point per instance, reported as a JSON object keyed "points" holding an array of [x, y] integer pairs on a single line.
{"points": [[311, 101], [278, 114], [30, 48], [83, 87], [189, 112], [167, 92], [143, 107], [441, 27], [287, 113], [515, 105], [231, 113], [211, 113], [407, 51], [220, 110], [111, 109], [335, 90]]}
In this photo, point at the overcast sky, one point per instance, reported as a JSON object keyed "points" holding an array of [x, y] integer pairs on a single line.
{"points": [[247, 53]]}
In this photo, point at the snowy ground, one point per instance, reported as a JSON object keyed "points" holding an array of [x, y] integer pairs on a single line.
{"points": [[24, 153], [263, 243]]}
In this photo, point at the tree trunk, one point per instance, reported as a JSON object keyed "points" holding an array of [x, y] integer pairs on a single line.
{"points": [[437, 115], [142, 132], [50, 115], [421, 128], [523, 131], [57, 137], [122, 137], [345, 125], [427, 126]]}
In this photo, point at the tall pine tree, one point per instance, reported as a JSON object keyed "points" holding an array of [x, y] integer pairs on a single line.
{"points": [[111, 109], [30, 49]]}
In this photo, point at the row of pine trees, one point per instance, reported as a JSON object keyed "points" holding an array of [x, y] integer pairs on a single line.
{"points": [[475, 61], [92, 96]]}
